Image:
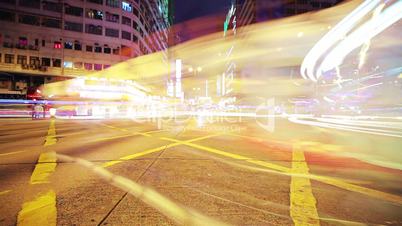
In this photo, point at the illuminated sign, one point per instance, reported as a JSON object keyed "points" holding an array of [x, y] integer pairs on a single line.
{"points": [[226, 82], [126, 6], [229, 16], [57, 45]]}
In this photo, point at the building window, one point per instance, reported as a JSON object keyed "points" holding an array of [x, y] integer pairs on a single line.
{"points": [[98, 67], [88, 66], [98, 49], [136, 26], [125, 51], [135, 38], [28, 19], [126, 6], [68, 64], [105, 66], [56, 62], [68, 45], [74, 11], [21, 59], [89, 48], [77, 46], [72, 26], [112, 32], [113, 3], [52, 23], [126, 21], [126, 35], [94, 14], [57, 45], [116, 51], [135, 12], [77, 65], [22, 41], [112, 17], [45, 61], [93, 29], [8, 58], [100, 2], [30, 3], [107, 50], [52, 6], [7, 16], [33, 60], [43, 43]]}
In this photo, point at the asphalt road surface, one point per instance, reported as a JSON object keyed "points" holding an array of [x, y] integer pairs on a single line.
{"points": [[122, 172]]}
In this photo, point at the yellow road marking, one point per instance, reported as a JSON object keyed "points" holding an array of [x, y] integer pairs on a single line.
{"points": [[156, 131], [331, 181], [146, 134], [146, 152], [201, 138], [47, 160], [356, 188], [5, 192], [270, 165], [51, 134], [139, 154], [41, 211], [212, 150], [45, 166], [303, 208], [231, 155], [12, 153], [328, 180]]}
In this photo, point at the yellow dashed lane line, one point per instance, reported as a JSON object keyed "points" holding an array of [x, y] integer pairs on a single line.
{"points": [[42, 210], [303, 208], [44, 168]]}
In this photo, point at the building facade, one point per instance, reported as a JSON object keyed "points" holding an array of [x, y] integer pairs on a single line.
{"points": [[44, 41]]}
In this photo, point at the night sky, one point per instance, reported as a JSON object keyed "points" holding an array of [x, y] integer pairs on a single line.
{"points": [[190, 9]]}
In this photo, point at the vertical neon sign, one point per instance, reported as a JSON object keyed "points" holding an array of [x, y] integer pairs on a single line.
{"points": [[228, 76]]}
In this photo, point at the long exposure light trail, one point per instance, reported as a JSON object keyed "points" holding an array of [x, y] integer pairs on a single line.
{"points": [[333, 36], [347, 43], [365, 32], [341, 125]]}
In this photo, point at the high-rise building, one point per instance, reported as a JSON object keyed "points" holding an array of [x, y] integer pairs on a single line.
{"points": [[43, 41]]}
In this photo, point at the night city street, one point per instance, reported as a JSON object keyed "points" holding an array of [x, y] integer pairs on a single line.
{"points": [[213, 112]]}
